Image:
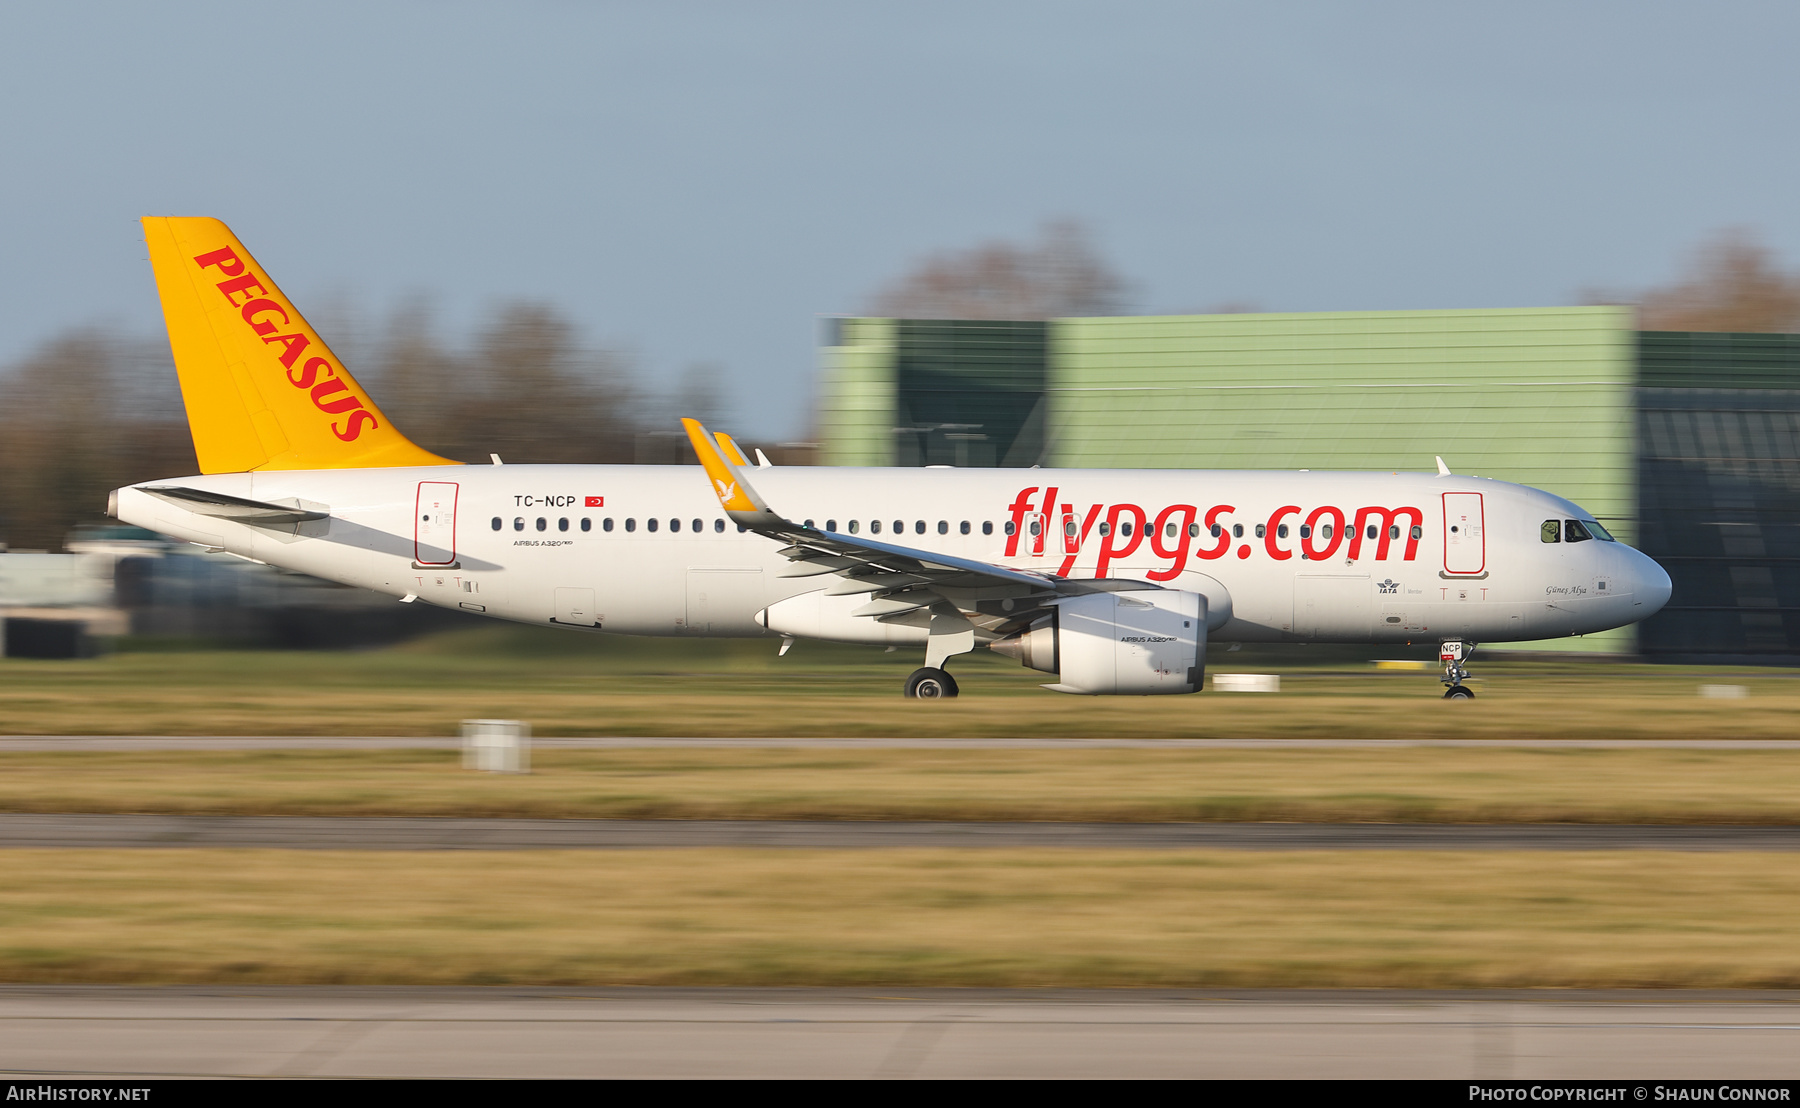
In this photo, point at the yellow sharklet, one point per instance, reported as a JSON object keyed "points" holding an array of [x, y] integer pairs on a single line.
{"points": [[729, 447], [262, 389], [733, 495]]}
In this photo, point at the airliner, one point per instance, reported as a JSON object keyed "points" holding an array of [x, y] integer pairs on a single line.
{"points": [[1111, 581]]}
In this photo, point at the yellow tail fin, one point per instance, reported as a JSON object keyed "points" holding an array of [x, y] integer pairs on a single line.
{"points": [[262, 389]]}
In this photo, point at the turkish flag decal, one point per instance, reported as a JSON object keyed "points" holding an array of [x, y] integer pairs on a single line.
{"points": [[596, 502]]}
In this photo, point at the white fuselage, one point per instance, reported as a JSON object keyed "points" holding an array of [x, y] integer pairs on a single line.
{"points": [[510, 541]]}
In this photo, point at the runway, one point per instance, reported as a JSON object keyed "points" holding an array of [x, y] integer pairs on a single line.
{"points": [[390, 833], [34, 744], [123, 1032]]}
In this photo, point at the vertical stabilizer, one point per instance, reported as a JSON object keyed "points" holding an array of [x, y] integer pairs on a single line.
{"points": [[262, 389]]}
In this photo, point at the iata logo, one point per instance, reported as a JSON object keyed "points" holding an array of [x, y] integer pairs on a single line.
{"points": [[1390, 586], [262, 313]]}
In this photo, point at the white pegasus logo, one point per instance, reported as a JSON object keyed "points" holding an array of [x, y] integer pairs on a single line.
{"points": [[727, 490]]}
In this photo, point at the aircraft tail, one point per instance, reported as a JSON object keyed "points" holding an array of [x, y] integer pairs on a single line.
{"points": [[262, 389]]}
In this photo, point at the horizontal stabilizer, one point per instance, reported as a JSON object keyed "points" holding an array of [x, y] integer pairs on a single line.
{"points": [[253, 512]]}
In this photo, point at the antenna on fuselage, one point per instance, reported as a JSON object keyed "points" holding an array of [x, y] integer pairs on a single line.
{"points": [[1443, 470]]}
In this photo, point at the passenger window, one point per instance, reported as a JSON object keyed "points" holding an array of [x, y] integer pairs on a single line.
{"points": [[674, 525], [1194, 530], [965, 526], [699, 526], [1037, 528], [1573, 531], [899, 527], [874, 527], [1281, 531], [1305, 531], [1169, 531], [1551, 531], [587, 524], [919, 527], [853, 527], [1069, 526], [1125, 528], [808, 525], [1105, 528], [543, 524], [719, 526], [606, 524], [831, 525], [1261, 530], [650, 525], [742, 528], [943, 527], [1394, 531], [1418, 532], [1373, 531], [1237, 531], [497, 523], [1011, 527], [562, 524], [630, 525], [1325, 531], [519, 523], [1217, 530]]}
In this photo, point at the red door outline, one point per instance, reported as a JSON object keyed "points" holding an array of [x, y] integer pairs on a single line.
{"points": [[1460, 516], [434, 540]]}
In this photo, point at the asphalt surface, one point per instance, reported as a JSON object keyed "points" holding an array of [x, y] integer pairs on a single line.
{"points": [[388, 833], [273, 1031], [46, 743]]}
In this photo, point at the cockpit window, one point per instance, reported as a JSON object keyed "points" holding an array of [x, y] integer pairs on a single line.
{"points": [[1573, 531], [1600, 532], [1551, 531]]}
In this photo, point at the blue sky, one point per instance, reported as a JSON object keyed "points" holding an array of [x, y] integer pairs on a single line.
{"points": [[700, 182]]}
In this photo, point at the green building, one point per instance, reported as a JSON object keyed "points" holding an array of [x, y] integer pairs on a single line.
{"points": [[1684, 445]]}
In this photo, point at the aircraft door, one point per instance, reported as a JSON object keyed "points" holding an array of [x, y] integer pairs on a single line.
{"points": [[434, 524], [575, 607], [1465, 540], [1333, 607], [724, 600]]}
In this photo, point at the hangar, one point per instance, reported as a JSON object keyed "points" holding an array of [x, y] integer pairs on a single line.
{"points": [[1687, 445]]}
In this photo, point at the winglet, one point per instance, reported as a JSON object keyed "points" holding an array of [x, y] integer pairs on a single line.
{"points": [[1443, 470], [728, 446], [739, 500]]}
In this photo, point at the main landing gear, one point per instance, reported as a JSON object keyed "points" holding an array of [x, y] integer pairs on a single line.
{"points": [[930, 683], [1453, 654]]}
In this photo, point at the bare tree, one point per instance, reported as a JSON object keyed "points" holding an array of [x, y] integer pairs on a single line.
{"points": [[1060, 275], [528, 390], [78, 419], [1733, 284]]}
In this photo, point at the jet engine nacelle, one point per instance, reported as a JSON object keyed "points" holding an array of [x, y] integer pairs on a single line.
{"points": [[1137, 643]]}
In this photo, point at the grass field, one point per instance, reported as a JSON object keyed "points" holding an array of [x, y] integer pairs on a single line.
{"points": [[1414, 784], [903, 917], [592, 685]]}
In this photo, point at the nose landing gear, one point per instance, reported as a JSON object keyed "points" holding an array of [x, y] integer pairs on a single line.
{"points": [[1453, 654]]}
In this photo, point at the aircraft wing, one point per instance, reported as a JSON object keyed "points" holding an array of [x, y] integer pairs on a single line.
{"points": [[257, 513], [899, 580]]}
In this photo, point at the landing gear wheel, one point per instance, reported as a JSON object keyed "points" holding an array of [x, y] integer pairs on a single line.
{"points": [[1453, 653], [930, 684]]}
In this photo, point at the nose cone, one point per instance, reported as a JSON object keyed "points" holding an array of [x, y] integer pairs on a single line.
{"points": [[1650, 583]]}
